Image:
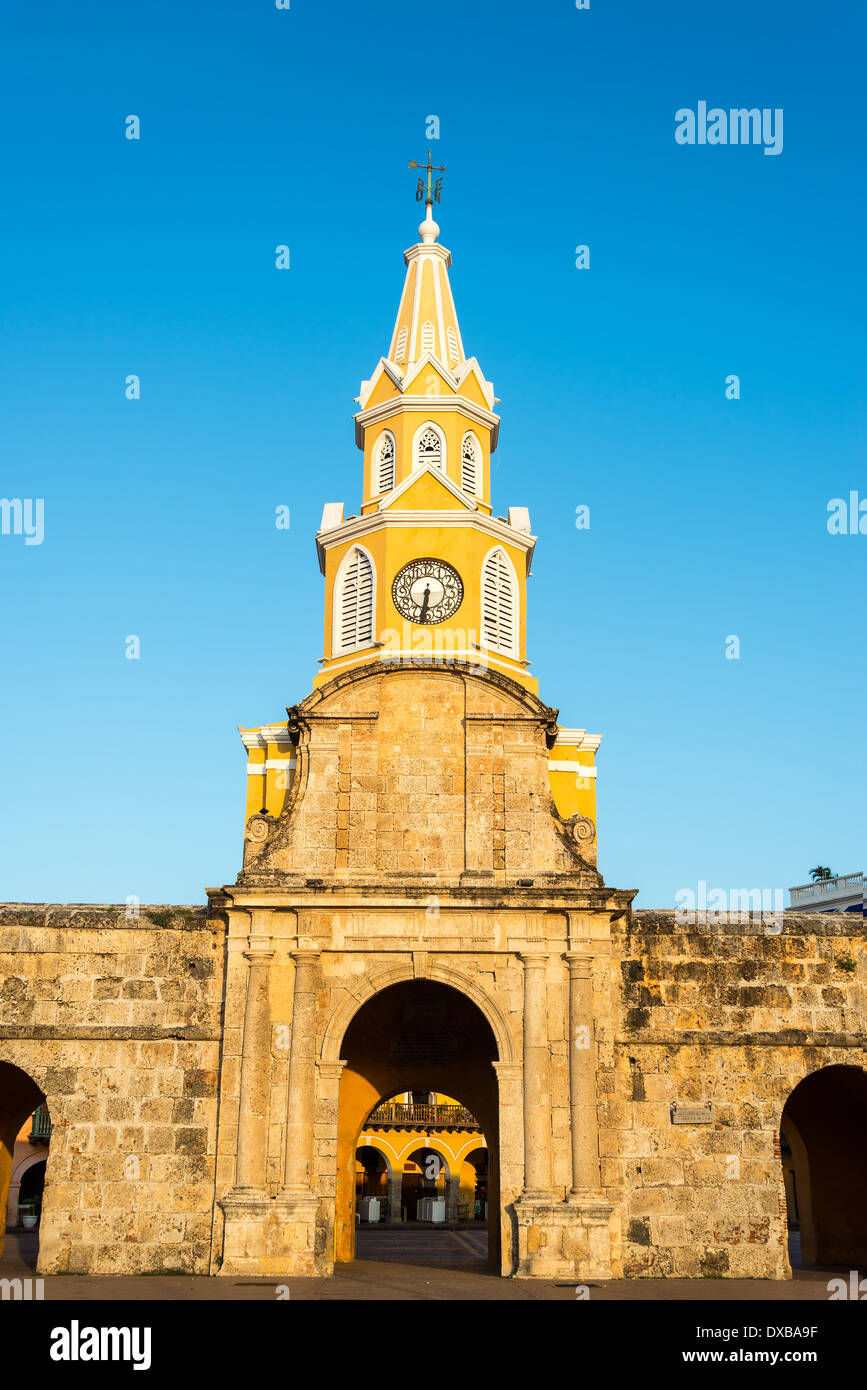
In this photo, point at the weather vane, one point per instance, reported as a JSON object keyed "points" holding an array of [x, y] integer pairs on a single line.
{"points": [[430, 191]]}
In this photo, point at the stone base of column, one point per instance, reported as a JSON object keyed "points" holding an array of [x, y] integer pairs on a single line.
{"points": [[564, 1240], [272, 1236]]}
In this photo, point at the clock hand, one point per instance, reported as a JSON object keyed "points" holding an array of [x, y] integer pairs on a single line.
{"points": [[424, 603]]}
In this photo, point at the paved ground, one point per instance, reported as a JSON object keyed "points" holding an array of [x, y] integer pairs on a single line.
{"points": [[410, 1263]]}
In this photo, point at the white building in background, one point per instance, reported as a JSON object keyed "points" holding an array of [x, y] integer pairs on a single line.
{"points": [[843, 893]]}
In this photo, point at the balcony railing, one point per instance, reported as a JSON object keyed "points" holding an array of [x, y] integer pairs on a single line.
{"points": [[40, 1126], [430, 1116], [823, 889]]}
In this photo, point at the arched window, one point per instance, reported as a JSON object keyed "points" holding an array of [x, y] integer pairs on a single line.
{"points": [[427, 336], [353, 602], [383, 463], [429, 448], [401, 345], [499, 604], [471, 465], [453, 343]]}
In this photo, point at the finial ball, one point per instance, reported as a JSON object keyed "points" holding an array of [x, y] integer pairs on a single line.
{"points": [[428, 229]]}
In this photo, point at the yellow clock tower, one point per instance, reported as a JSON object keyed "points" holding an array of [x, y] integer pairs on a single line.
{"points": [[425, 568], [424, 571]]}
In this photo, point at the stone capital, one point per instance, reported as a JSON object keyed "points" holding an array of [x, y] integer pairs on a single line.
{"points": [[305, 957], [330, 1071], [259, 950], [580, 964]]}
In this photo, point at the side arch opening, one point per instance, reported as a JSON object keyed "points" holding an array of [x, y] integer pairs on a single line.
{"points": [[823, 1142]]}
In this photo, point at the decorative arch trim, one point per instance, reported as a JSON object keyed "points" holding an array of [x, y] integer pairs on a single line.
{"points": [[365, 617], [345, 1012], [380, 1146], [383, 464], [471, 464], [26, 1163], [434, 1146], [501, 604], [418, 460]]}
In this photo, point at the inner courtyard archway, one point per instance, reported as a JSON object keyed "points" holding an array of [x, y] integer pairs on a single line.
{"points": [[823, 1133], [416, 1036], [371, 1179], [20, 1097]]}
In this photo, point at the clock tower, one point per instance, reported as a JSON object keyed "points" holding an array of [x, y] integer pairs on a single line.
{"points": [[425, 568], [419, 906]]}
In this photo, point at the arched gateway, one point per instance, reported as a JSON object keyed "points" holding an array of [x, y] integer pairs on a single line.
{"points": [[418, 1028], [446, 939]]}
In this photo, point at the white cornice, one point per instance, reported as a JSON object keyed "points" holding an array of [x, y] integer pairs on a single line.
{"points": [[440, 476], [578, 738], [430, 405], [432, 249], [360, 526], [269, 733]]}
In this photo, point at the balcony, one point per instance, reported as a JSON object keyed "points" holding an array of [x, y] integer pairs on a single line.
{"points": [[399, 1116], [40, 1126], [845, 893]]}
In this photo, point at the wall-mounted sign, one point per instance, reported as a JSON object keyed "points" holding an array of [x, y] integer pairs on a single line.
{"points": [[691, 1114]]}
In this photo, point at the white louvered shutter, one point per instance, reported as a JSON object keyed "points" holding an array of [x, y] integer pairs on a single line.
{"points": [[427, 337], [385, 464], [453, 343], [469, 465], [355, 615], [499, 619], [430, 449], [400, 350]]}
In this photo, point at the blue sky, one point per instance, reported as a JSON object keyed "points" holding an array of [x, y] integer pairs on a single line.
{"points": [[708, 516]]}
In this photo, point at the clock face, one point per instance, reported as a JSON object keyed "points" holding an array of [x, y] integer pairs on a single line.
{"points": [[427, 591]]}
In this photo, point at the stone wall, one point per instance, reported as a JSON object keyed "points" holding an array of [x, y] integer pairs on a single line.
{"points": [[122, 1024], [117, 1019], [731, 1016]]}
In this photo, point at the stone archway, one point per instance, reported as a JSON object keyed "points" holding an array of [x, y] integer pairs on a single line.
{"points": [[824, 1124], [372, 1177], [426, 1173], [475, 1162], [20, 1186], [411, 1034], [19, 1097]]}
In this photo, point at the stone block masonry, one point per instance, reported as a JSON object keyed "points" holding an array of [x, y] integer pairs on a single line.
{"points": [[118, 1021]]}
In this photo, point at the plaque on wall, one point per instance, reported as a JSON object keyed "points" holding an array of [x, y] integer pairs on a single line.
{"points": [[691, 1114]]}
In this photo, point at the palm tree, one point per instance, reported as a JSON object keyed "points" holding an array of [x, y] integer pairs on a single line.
{"points": [[820, 871]]}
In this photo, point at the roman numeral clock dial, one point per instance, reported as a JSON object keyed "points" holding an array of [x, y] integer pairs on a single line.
{"points": [[427, 591]]}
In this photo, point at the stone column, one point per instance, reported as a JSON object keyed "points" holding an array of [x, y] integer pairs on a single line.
{"points": [[246, 1207], [582, 1078], [298, 1178], [255, 1058], [453, 1192], [395, 1190], [327, 1103], [537, 1100]]}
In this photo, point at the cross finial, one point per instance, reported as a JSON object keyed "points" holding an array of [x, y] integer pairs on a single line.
{"points": [[429, 190]]}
